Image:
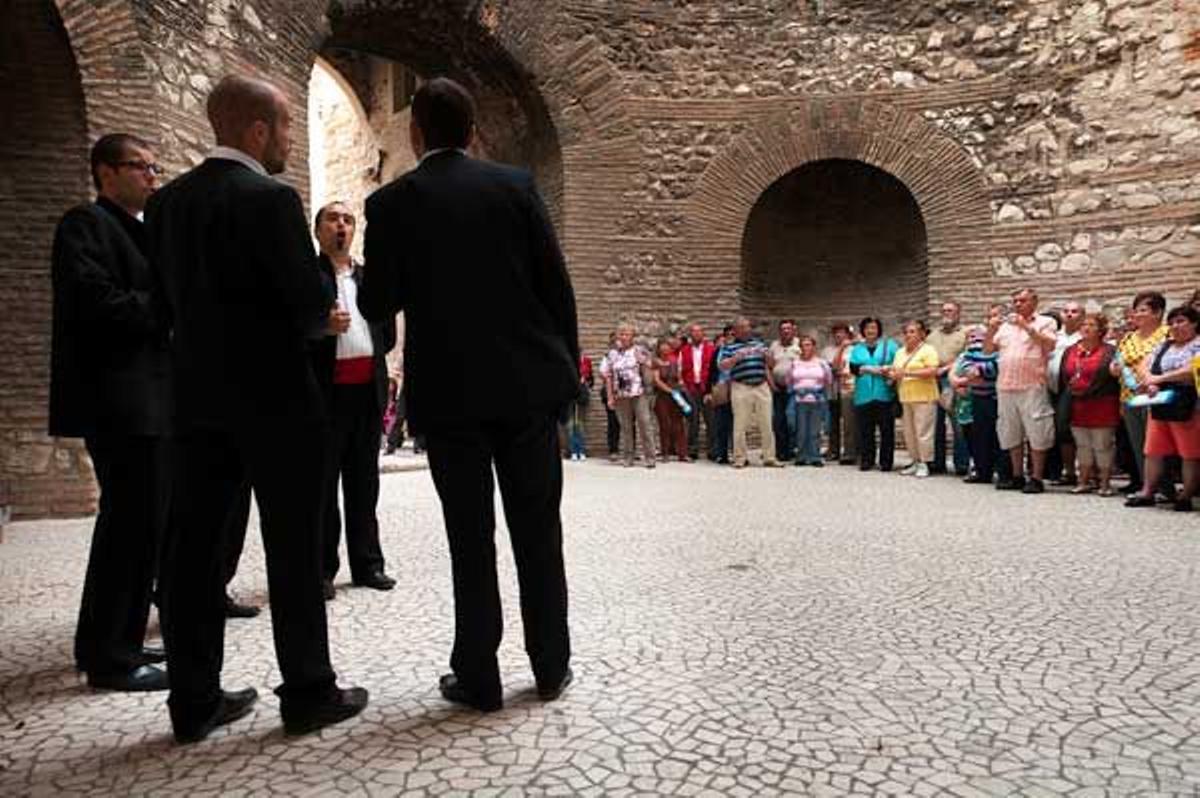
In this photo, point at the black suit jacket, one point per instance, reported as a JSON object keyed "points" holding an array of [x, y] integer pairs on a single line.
{"points": [[232, 250], [465, 248], [109, 364], [383, 340]]}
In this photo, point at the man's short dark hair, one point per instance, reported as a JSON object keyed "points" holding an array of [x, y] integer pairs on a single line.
{"points": [[111, 149], [862, 325], [1186, 311], [321, 212], [1156, 301], [445, 114]]}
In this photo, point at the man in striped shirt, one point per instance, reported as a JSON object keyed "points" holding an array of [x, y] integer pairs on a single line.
{"points": [[749, 364]]}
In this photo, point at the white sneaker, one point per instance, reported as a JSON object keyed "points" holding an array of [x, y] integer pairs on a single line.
{"points": [[582, 457], [909, 470], [922, 471]]}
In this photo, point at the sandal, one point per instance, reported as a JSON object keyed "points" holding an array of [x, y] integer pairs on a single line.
{"points": [[1106, 492], [1083, 489]]}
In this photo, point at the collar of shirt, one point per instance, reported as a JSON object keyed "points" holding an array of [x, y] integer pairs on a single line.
{"points": [[234, 154], [439, 151]]}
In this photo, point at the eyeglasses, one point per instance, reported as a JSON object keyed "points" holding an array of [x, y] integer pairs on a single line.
{"points": [[142, 166]]}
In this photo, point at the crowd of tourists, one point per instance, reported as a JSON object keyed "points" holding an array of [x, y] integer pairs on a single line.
{"points": [[1019, 399]]}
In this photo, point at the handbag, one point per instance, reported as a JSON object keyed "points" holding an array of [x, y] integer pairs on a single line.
{"points": [[1183, 400], [720, 394]]}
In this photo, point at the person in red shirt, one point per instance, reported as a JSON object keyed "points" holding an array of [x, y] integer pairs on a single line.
{"points": [[696, 361], [1094, 401]]}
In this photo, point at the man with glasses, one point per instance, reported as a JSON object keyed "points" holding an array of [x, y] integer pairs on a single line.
{"points": [[110, 385]]}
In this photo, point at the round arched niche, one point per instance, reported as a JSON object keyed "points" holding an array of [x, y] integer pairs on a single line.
{"points": [[937, 173], [834, 240]]}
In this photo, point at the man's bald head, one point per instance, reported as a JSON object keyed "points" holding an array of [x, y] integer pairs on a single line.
{"points": [[251, 114]]}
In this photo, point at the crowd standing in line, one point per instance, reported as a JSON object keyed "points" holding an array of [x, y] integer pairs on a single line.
{"points": [[1020, 399]]}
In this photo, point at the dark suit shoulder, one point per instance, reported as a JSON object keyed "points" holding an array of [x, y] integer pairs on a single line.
{"points": [[87, 214]]}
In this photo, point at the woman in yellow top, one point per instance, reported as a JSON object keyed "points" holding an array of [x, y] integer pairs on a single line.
{"points": [[914, 372], [1135, 350]]}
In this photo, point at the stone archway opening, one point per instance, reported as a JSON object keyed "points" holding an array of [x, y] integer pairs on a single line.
{"points": [[384, 50], [43, 171], [835, 240]]}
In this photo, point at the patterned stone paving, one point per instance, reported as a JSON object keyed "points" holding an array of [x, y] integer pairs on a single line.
{"points": [[736, 633]]}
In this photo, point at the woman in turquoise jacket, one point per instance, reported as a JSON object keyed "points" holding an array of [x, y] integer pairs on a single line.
{"points": [[874, 395]]}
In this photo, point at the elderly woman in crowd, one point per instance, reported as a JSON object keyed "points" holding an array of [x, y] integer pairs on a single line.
{"points": [[622, 375], [1174, 427], [843, 430], [1134, 353], [1093, 395], [977, 370], [810, 382], [672, 426], [914, 372], [874, 397]]}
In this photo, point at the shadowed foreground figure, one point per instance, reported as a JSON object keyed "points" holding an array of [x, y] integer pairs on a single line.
{"points": [[459, 233], [110, 385], [238, 269]]}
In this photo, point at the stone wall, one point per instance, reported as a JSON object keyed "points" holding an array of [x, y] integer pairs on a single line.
{"points": [[1052, 143]]}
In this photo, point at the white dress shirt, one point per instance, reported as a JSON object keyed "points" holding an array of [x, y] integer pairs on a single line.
{"points": [[232, 154], [356, 341]]}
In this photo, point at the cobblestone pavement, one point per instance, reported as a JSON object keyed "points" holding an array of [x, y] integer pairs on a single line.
{"points": [[798, 631]]}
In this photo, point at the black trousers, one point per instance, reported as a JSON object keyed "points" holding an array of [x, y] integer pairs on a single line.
{"points": [[785, 439], [990, 459], [874, 416], [356, 426], [529, 469], [700, 410], [235, 532], [285, 466], [133, 474], [834, 450]]}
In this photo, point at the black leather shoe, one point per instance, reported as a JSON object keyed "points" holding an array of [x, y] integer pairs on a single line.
{"points": [[1183, 505], [327, 589], [302, 716], [456, 692], [153, 655], [552, 692], [376, 580], [230, 707], [1138, 500], [1034, 486], [1016, 483], [976, 479], [142, 679], [235, 610]]}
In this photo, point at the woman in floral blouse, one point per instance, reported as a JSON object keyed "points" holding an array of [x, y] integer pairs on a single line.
{"points": [[622, 375]]}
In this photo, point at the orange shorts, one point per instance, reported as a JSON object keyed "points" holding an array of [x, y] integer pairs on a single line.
{"points": [[1165, 438]]}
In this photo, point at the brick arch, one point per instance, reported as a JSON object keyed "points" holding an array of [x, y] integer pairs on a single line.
{"points": [[941, 176], [108, 46], [43, 171]]}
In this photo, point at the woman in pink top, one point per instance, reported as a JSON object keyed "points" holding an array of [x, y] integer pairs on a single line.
{"points": [[809, 382]]}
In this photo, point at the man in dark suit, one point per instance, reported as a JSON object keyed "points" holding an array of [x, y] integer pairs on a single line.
{"points": [[110, 385], [232, 251], [352, 371], [464, 237]]}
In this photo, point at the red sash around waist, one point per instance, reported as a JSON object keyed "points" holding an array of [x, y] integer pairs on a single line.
{"points": [[353, 371]]}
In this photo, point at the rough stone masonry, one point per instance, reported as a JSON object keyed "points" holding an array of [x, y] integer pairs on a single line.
{"points": [[808, 157]]}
